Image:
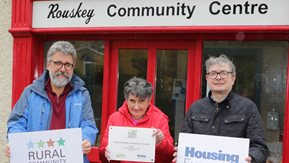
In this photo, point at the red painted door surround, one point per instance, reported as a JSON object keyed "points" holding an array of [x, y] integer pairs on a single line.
{"points": [[28, 47]]}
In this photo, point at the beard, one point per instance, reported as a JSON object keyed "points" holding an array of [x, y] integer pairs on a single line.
{"points": [[60, 82]]}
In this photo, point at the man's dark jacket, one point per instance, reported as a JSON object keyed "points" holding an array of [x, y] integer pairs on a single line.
{"points": [[235, 116]]}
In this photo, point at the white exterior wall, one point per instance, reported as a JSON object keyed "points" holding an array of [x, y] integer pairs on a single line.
{"points": [[6, 57]]}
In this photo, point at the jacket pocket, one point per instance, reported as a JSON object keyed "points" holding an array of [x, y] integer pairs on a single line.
{"points": [[234, 119], [234, 125], [200, 124], [201, 118]]}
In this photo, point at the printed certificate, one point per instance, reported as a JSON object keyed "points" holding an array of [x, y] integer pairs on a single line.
{"points": [[197, 148], [53, 146], [131, 144]]}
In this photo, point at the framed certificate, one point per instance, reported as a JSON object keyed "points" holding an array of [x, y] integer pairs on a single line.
{"points": [[46, 146], [131, 144]]}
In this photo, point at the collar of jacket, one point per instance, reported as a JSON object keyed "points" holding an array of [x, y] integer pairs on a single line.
{"points": [[124, 110], [225, 104]]}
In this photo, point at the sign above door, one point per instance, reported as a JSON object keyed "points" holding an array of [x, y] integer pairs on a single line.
{"points": [[151, 13]]}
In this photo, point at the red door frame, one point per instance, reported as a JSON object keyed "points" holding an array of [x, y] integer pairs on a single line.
{"points": [[193, 69], [28, 47]]}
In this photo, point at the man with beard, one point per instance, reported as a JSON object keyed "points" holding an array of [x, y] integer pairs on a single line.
{"points": [[56, 100]]}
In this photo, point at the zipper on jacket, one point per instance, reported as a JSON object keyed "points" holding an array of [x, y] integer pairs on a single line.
{"points": [[42, 115], [68, 115], [217, 111]]}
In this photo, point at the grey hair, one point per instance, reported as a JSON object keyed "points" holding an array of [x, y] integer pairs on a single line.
{"points": [[221, 60], [133, 86], [62, 46]]}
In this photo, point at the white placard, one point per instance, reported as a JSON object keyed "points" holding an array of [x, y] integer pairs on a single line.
{"points": [[196, 148], [131, 144], [151, 13], [59, 146]]}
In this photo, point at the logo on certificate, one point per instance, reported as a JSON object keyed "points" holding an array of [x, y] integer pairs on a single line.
{"points": [[132, 134]]}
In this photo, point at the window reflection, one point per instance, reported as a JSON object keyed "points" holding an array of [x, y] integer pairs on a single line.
{"points": [[171, 86], [132, 62], [261, 76]]}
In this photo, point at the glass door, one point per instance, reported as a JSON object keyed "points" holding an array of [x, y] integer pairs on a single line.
{"points": [[165, 65], [171, 85], [132, 62]]}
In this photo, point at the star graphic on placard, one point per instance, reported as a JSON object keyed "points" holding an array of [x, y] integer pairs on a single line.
{"points": [[30, 145], [50, 143], [61, 142], [40, 144]]}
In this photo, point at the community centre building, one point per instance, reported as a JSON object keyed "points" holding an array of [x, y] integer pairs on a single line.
{"points": [[165, 42]]}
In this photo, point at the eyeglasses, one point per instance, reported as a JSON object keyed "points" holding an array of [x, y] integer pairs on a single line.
{"points": [[59, 64], [134, 84], [214, 74]]}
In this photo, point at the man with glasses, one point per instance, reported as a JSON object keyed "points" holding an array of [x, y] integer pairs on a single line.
{"points": [[225, 113], [56, 100]]}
